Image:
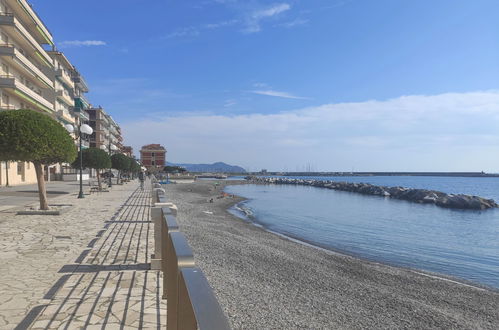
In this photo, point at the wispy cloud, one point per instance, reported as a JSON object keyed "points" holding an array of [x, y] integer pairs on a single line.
{"points": [[294, 23], [218, 25], [230, 103], [189, 31], [285, 95], [253, 20], [445, 132], [81, 43]]}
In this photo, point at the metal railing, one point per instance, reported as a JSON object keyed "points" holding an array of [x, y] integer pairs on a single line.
{"points": [[191, 303]]}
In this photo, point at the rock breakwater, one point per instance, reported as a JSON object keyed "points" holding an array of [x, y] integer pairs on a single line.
{"points": [[453, 201]]}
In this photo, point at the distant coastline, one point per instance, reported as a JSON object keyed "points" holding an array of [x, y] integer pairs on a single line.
{"points": [[446, 174]]}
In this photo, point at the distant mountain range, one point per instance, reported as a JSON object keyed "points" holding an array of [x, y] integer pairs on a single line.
{"points": [[218, 167]]}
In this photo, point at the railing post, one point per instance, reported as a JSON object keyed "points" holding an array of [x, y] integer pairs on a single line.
{"points": [[179, 256], [156, 216], [169, 226], [198, 308]]}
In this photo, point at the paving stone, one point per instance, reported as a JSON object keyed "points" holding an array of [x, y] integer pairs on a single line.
{"points": [[102, 278]]}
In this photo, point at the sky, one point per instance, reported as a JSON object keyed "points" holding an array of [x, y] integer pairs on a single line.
{"points": [[328, 85]]}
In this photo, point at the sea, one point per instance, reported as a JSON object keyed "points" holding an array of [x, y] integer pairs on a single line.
{"points": [[463, 244]]}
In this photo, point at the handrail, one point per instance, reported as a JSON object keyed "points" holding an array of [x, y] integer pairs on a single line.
{"points": [[191, 303], [179, 254], [198, 306]]}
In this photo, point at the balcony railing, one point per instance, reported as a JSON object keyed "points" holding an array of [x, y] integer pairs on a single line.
{"points": [[24, 61], [64, 97], [37, 23], [9, 20], [191, 303], [9, 81]]}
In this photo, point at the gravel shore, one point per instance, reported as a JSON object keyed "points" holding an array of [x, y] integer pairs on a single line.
{"points": [[264, 281]]}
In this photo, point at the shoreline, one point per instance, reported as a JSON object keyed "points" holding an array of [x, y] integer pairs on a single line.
{"points": [[339, 252], [267, 281]]}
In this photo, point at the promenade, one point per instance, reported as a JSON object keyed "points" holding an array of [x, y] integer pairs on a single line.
{"points": [[87, 268]]}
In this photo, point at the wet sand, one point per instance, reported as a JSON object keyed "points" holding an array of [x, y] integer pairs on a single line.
{"points": [[265, 281]]}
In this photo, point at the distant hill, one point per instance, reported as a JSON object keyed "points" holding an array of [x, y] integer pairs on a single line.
{"points": [[218, 167]]}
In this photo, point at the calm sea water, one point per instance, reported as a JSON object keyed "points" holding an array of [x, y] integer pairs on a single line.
{"points": [[464, 244]]}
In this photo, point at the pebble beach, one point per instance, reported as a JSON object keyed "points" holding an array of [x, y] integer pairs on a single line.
{"points": [[265, 281]]}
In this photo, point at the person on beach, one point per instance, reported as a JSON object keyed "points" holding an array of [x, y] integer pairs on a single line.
{"points": [[141, 179]]}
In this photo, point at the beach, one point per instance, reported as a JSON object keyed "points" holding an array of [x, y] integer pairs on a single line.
{"points": [[265, 281]]}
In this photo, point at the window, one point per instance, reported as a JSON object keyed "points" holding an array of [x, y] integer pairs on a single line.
{"points": [[20, 168], [152, 154]]}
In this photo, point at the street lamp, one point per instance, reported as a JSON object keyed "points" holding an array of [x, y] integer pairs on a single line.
{"points": [[110, 149], [82, 130]]}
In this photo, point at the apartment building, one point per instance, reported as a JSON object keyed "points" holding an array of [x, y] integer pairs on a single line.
{"points": [[106, 130], [25, 73], [64, 87], [81, 104], [153, 157]]}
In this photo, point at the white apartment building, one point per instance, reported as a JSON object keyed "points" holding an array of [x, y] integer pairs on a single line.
{"points": [[25, 73]]}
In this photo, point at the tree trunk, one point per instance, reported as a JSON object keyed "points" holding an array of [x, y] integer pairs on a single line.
{"points": [[98, 179], [42, 193], [6, 173]]}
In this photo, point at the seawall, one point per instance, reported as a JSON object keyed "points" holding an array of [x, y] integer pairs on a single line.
{"points": [[424, 196]]}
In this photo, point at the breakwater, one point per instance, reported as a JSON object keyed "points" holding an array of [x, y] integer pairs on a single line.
{"points": [[438, 198]]}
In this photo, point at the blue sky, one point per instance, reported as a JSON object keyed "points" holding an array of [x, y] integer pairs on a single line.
{"points": [[339, 84]]}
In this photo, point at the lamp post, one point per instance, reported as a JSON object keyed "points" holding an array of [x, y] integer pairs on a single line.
{"points": [[111, 147], [82, 129]]}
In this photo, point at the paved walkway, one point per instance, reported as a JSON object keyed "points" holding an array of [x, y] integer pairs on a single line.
{"points": [[22, 195], [109, 285]]}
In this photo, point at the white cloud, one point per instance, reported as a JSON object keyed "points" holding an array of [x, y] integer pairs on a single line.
{"points": [[230, 103], [272, 11], [81, 43], [190, 31], [446, 132], [218, 25], [253, 20], [292, 24], [279, 94]]}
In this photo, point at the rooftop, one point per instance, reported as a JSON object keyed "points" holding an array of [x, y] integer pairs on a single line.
{"points": [[153, 147]]}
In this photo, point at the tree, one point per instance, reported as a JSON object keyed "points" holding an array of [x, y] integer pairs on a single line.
{"points": [[134, 166], [29, 136], [121, 163], [174, 169], [94, 158]]}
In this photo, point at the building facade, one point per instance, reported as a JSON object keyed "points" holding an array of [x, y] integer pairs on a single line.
{"points": [[153, 157], [106, 131], [26, 74]]}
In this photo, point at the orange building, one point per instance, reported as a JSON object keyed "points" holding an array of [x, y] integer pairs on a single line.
{"points": [[153, 157]]}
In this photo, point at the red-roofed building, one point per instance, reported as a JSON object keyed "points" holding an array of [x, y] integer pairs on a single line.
{"points": [[153, 157]]}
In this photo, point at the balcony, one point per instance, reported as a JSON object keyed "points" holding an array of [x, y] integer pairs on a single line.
{"points": [[65, 116], [9, 22], [82, 114], [64, 97], [22, 62], [66, 79], [11, 83], [23, 10]]}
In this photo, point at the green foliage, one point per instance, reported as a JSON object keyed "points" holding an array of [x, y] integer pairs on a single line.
{"points": [[134, 166], [93, 158], [174, 169], [120, 162], [26, 135]]}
